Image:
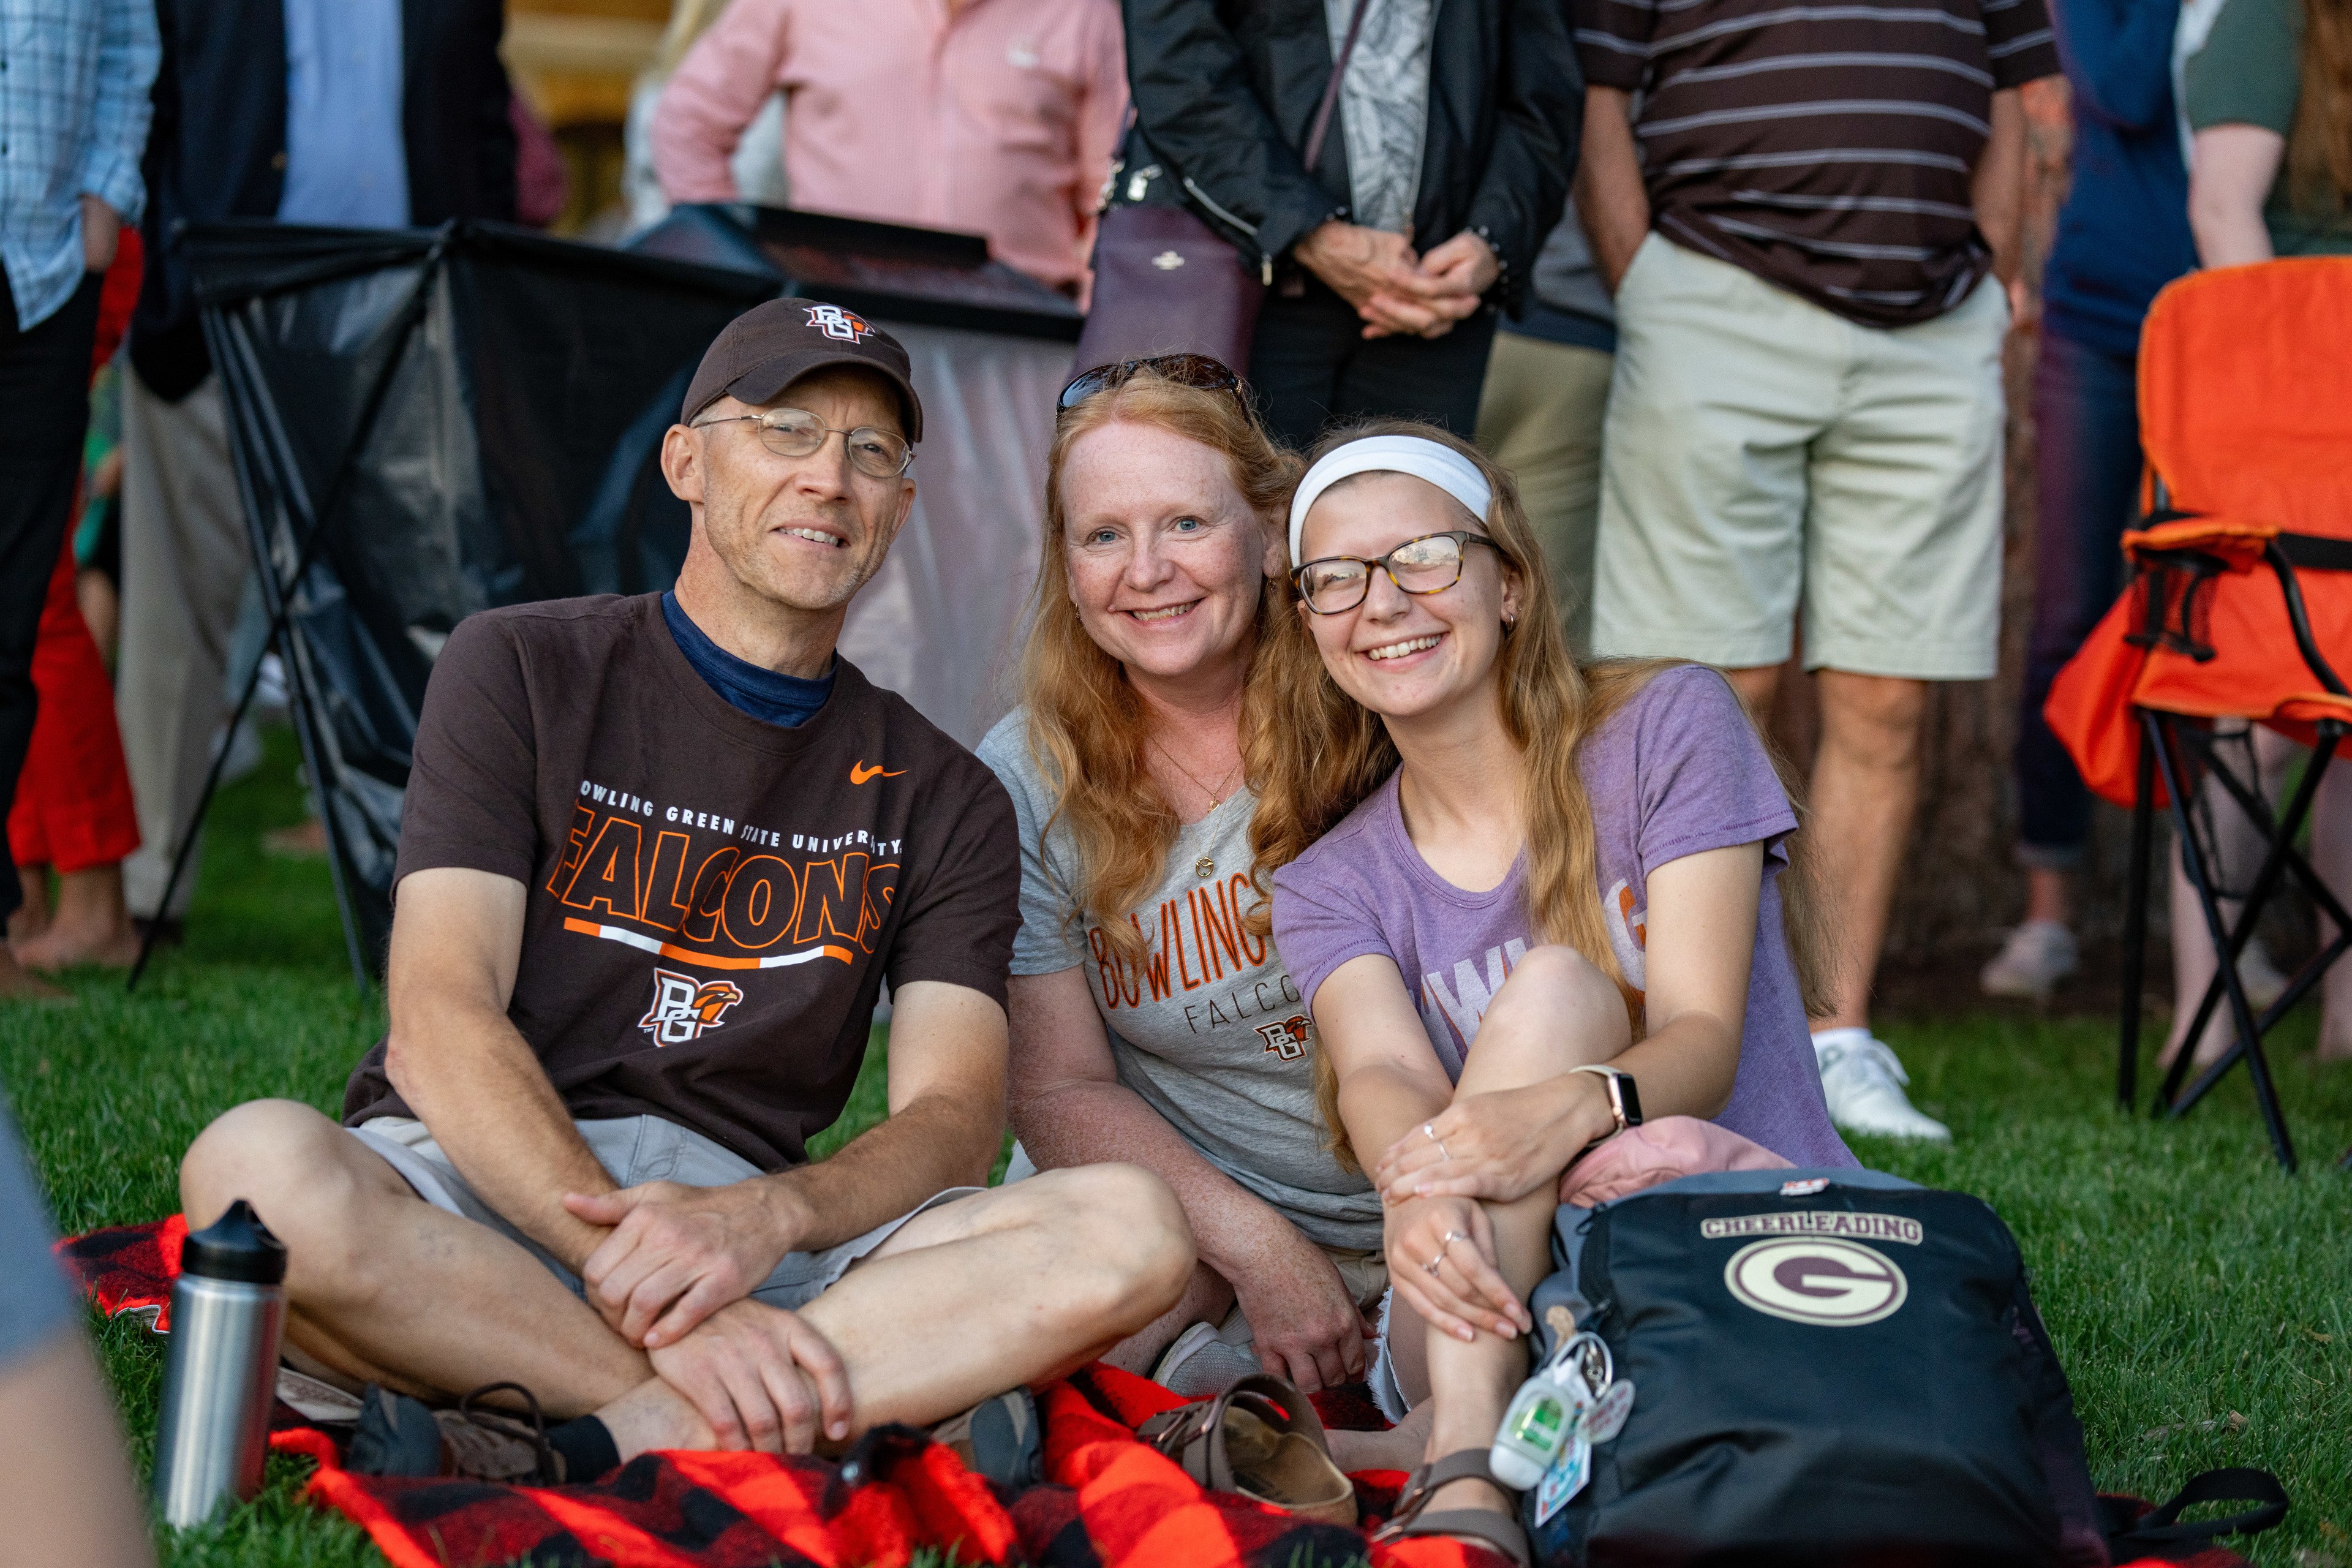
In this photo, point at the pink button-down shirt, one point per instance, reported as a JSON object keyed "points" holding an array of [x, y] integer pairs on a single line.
{"points": [[994, 117]]}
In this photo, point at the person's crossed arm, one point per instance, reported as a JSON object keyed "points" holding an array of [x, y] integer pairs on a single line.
{"points": [[1070, 1109]]}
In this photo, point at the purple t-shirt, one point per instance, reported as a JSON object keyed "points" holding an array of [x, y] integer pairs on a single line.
{"points": [[1676, 770]]}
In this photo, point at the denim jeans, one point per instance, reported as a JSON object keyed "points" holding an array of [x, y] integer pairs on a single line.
{"points": [[2086, 417]]}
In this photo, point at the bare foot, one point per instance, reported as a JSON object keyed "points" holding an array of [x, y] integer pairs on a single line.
{"points": [[19, 985], [69, 947], [91, 925], [306, 840], [2220, 1033]]}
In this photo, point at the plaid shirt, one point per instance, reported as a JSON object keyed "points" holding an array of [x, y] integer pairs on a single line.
{"points": [[74, 77]]}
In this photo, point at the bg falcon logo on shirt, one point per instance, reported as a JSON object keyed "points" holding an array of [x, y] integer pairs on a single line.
{"points": [[684, 1006], [1287, 1037]]}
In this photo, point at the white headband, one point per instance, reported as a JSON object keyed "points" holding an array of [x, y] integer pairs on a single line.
{"points": [[1443, 466]]}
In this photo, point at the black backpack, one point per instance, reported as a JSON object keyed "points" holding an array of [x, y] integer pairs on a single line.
{"points": [[1831, 1368]]}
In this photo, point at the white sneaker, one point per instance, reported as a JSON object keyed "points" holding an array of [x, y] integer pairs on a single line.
{"points": [[2036, 957], [1863, 1081], [1204, 1361]]}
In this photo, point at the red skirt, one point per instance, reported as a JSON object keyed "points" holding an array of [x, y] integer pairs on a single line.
{"points": [[73, 807]]}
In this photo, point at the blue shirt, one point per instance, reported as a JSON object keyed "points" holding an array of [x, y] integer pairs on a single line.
{"points": [[2124, 231], [74, 77], [764, 694], [346, 159]]}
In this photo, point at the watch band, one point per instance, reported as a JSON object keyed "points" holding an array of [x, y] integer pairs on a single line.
{"points": [[1624, 1094]]}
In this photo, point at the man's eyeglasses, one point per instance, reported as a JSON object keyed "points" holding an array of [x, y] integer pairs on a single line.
{"points": [[1185, 370], [1429, 564], [797, 432]]}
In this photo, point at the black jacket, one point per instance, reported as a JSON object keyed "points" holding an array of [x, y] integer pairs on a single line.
{"points": [[216, 148], [1225, 92]]}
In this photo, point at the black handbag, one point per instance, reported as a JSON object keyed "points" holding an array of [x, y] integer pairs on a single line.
{"points": [[1165, 282]]}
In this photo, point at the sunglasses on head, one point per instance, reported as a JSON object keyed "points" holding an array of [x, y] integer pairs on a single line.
{"points": [[1186, 370]]}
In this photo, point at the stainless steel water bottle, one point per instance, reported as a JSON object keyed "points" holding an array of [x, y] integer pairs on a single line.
{"points": [[228, 1309]]}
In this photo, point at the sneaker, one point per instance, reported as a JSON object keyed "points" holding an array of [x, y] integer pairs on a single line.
{"points": [[1863, 1081], [399, 1435], [1002, 1439], [1205, 1361], [2036, 957]]}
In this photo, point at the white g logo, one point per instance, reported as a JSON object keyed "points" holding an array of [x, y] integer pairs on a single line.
{"points": [[1836, 1284]]}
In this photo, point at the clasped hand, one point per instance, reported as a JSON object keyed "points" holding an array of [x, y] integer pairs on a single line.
{"points": [[1441, 1255], [1395, 291], [1500, 1145], [761, 1377], [676, 1254]]}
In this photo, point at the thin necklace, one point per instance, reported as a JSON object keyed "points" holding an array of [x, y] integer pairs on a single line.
{"points": [[1216, 797]]}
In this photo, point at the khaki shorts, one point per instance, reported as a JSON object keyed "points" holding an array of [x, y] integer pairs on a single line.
{"points": [[1764, 458], [633, 1150]]}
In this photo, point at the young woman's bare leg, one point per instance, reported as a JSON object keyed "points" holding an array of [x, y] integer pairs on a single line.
{"points": [[1556, 1012]]}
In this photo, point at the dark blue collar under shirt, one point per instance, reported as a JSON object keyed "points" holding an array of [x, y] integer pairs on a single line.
{"points": [[765, 695]]}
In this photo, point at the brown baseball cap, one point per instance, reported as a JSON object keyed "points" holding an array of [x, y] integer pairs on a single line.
{"points": [[772, 345]]}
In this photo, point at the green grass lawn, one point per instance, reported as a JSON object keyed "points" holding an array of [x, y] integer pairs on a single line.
{"points": [[2199, 1296]]}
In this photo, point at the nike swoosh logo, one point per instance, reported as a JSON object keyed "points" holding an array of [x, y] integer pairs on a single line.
{"points": [[860, 773]]}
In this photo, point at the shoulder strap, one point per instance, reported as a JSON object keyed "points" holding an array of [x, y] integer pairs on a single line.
{"points": [[2237, 1485], [1315, 134]]}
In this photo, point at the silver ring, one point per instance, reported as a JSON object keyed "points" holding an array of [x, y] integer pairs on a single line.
{"points": [[1430, 1267], [1431, 1128]]}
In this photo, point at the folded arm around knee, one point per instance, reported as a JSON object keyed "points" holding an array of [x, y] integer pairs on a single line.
{"points": [[1523, 1114]]}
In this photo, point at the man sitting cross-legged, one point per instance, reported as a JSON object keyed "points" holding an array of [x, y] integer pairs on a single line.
{"points": [[658, 856]]}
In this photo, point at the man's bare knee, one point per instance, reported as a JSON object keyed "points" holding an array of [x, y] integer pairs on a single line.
{"points": [[298, 1171], [1130, 1246], [1875, 719], [1557, 1011]]}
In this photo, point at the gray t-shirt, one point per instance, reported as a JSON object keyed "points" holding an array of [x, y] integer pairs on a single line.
{"points": [[1209, 1030], [35, 1300], [1678, 770]]}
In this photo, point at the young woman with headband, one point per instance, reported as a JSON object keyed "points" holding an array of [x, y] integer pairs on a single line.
{"points": [[1475, 843]]}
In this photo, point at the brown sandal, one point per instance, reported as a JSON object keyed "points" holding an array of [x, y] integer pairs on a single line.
{"points": [[1500, 1530], [1260, 1438]]}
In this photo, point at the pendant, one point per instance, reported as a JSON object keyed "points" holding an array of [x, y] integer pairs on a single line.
{"points": [[1204, 868]]}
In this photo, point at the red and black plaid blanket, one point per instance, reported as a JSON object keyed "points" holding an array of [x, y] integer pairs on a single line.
{"points": [[1109, 1501]]}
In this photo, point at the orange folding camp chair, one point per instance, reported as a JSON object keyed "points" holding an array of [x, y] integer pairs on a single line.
{"points": [[2240, 607]]}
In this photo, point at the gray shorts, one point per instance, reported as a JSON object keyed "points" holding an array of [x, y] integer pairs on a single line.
{"points": [[634, 1150]]}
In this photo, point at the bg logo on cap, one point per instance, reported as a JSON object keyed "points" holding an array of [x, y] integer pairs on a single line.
{"points": [[1834, 1284], [835, 323]]}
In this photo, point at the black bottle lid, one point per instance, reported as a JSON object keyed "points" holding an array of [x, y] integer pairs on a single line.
{"points": [[237, 1247]]}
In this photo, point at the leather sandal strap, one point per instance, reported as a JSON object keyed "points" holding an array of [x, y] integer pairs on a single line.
{"points": [[1500, 1530], [1462, 1465]]}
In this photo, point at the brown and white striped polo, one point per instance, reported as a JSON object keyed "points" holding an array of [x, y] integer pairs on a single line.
{"points": [[1827, 148]]}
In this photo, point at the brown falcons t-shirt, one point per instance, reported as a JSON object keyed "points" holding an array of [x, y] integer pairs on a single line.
{"points": [[714, 902]]}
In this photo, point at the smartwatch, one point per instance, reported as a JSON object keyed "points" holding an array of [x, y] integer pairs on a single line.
{"points": [[1624, 1097]]}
